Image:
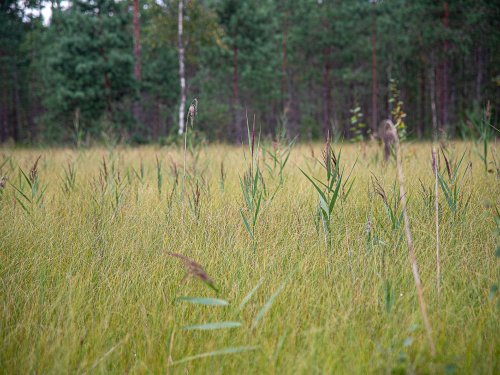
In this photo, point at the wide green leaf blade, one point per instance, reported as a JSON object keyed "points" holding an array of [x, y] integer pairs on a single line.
{"points": [[204, 301], [19, 191], [212, 326], [314, 184], [26, 178], [22, 205], [246, 223], [257, 210], [334, 196], [324, 207], [455, 173]]}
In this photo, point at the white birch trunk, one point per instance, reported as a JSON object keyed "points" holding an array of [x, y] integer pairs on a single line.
{"points": [[182, 73]]}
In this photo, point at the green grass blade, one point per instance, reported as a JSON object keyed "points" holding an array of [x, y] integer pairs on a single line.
{"points": [[41, 195], [255, 182], [269, 303], [324, 207], [346, 193], [334, 197], [212, 326], [246, 223], [455, 173], [250, 294], [315, 186], [22, 205], [257, 210], [204, 301], [20, 192], [444, 187], [246, 196], [26, 177], [321, 183], [231, 350]]}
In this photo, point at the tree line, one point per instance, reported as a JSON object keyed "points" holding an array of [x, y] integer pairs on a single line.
{"points": [[127, 71]]}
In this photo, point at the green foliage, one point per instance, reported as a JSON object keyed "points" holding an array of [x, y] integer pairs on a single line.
{"points": [[392, 203], [159, 176], [29, 192], [279, 153], [484, 129], [452, 185], [88, 58], [211, 327], [252, 187], [397, 113], [109, 188], [335, 186], [358, 127], [69, 178], [306, 61], [228, 324]]}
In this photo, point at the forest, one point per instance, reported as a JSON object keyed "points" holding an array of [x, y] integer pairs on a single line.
{"points": [[126, 71]]}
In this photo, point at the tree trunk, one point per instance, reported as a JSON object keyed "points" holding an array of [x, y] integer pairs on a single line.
{"points": [[16, 124], [327, 95], [444, 78], [432, 84], [106, 81], [182, 73], [137, 56], [237, 123], [4, 132], [293, 116], [157, 119], [3, 118], [374, 77], [284, 96], [480, 69], [421, 104], [107, 87]]}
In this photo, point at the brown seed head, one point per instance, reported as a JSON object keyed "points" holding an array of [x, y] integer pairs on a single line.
{"points": [[34, 171], [194, 269], [377, 187], [391, 134]]}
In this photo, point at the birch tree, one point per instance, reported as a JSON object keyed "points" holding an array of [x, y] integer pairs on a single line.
{"points": [[182, 70]]}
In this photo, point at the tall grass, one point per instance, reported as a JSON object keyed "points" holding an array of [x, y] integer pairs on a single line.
{"points": [[88, 284]]}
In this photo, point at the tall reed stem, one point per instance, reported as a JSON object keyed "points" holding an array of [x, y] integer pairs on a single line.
{"points": [[411, 251], [192, 111], [184, 171], [435, 169], [436, 206]]}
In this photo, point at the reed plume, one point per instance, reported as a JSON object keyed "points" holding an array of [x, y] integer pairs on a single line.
{"points": [[194, 269]]}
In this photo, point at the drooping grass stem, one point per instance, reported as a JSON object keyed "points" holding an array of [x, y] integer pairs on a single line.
{"points": [[409, 243]]}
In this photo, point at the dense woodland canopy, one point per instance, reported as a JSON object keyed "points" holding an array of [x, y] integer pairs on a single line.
{"points": [[310, 66]]}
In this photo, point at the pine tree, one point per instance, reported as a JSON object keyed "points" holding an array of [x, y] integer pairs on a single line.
{"points": [[89, 59]]}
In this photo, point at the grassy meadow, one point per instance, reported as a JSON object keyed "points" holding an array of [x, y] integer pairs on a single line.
{"points": [[89, 283]]}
